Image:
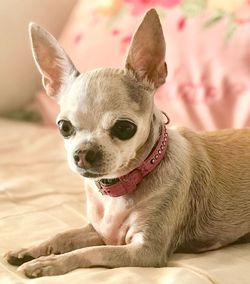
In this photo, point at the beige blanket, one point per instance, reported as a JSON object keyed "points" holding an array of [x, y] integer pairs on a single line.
{"points": [[40, 196]]}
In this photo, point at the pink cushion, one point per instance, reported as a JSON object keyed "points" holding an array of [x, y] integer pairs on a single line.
{"points": [[208, 86]]}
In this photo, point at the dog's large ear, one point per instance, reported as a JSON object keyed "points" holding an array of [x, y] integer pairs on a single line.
{"points": [[51, 60], [146, 56]]}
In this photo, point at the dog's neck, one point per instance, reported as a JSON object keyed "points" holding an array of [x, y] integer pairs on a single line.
{"points": [[151, 154], [147, 146]]}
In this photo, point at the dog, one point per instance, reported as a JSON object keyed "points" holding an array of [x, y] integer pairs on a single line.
{"points": [[151, 190]]}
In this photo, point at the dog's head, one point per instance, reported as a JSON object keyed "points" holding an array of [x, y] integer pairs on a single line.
{"points": [[106, 114]]}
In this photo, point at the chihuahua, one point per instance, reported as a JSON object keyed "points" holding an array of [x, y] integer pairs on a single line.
{"points": [[151, 190]]}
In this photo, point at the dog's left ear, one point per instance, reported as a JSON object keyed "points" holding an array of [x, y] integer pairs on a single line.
{"points": [[146, 56], [52, 61]]}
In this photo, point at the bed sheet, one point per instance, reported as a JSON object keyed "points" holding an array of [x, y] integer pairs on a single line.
{"points": [[40, 196]]}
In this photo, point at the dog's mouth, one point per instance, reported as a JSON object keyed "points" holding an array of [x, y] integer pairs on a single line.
{"points": [[89, 174], [104, 181], [109, 181]]}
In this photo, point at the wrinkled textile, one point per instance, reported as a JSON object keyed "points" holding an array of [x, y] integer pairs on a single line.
{"points": [[40, 196]]}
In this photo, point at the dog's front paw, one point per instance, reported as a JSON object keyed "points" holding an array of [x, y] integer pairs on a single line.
{"points": [[18, 257], [44, 266]]}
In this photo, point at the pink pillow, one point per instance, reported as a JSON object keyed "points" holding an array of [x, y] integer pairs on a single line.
{"points": [[48, 108], [208, 85]]}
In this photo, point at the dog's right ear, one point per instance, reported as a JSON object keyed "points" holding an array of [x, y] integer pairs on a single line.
{"points": [[51, 60]]}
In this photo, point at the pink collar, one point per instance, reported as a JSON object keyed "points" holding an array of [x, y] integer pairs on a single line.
{"points": [[128, 183]]}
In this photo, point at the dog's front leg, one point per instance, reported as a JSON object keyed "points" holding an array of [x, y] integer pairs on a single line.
{"points": [[61, 243], [103, 256]]}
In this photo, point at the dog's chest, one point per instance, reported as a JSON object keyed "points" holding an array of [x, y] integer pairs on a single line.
{"points": [[111, 218]]}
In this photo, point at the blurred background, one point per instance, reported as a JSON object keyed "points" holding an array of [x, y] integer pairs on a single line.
{"points": [[19, 80], [208, 87], [208, 54]]}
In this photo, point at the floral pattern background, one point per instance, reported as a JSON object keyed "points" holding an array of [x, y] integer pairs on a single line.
{"points": [[207, 52], [236, 12]]}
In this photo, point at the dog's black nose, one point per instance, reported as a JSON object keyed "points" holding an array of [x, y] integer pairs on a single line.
{"points": [[86, 159], [92, 156]]}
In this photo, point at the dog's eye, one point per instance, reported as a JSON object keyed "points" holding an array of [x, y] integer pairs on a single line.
{"points": [[66, 128], [123, 129]]}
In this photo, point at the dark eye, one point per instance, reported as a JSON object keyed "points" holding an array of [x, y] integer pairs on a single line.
{"points": [[66, 128], [123, 129]]}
